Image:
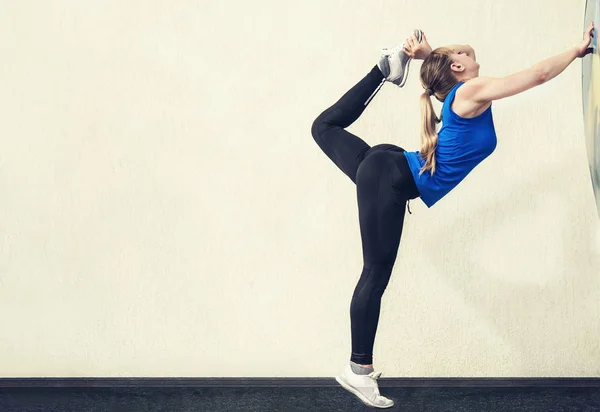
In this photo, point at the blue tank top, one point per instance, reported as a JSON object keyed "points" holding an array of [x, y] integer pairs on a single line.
{"points": [[462, 144]]}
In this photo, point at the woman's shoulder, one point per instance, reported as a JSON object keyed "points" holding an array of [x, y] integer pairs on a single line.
{"points": [[465, 107]]}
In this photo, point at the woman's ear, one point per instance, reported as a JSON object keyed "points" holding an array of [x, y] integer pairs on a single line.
{"points": [[457, 67]]}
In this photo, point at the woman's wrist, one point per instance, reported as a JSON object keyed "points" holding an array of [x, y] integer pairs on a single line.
{"points": [[423, 54]]}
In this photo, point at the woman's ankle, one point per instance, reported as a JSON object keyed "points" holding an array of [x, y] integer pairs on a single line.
{"points": [[361, 369]]}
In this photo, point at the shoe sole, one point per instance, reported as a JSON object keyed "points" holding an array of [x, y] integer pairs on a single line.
{"points": [[419, 36], [359, 395]]}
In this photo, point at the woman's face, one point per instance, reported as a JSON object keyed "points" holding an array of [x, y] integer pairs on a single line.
{"points": [[464, 66]]}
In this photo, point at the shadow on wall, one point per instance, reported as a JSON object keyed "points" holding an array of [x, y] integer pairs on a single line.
{"points": [[535, 313]]}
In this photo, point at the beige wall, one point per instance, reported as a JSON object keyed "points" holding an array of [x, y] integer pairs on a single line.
{"points": [[166, 212]]}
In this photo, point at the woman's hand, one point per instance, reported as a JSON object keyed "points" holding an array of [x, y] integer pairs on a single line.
{"points": [[412, 47], [583, 49]]}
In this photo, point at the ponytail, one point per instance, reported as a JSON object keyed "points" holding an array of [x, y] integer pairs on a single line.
{"points": [[429, 136], [436, 74]]}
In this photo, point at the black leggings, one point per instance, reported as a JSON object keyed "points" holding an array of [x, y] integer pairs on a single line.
{"points": [[384, 184]]}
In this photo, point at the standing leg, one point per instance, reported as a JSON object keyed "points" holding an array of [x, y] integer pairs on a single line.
{"points": [[345, 149], [381, 217]]}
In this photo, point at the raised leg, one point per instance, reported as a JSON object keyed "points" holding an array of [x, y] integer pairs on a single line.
{"points": [[345, 149]]}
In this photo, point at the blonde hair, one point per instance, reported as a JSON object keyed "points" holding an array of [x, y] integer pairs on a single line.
{"points": [[438, 80]]}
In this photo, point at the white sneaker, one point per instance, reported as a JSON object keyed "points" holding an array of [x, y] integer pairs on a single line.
{"points": [[394, 63], [364, 387]]}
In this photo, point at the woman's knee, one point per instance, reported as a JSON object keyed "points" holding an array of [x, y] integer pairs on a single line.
{"points": [[380, 274], [316, 128], [319, 127]]}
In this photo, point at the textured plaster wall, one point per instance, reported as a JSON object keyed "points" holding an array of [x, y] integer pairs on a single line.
{"points": [[164, 210]]}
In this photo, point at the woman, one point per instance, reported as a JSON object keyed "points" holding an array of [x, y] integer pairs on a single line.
{"points": [[387, 177]]}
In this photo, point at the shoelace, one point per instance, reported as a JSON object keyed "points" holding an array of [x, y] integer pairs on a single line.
{"points": [[375, 375]]}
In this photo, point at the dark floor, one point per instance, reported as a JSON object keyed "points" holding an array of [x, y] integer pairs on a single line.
{"points": [[291, 399]]}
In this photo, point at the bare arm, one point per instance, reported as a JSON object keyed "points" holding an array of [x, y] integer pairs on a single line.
{"points": [[420, 51], [552, 67], [482, 90], [486, 89]]}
